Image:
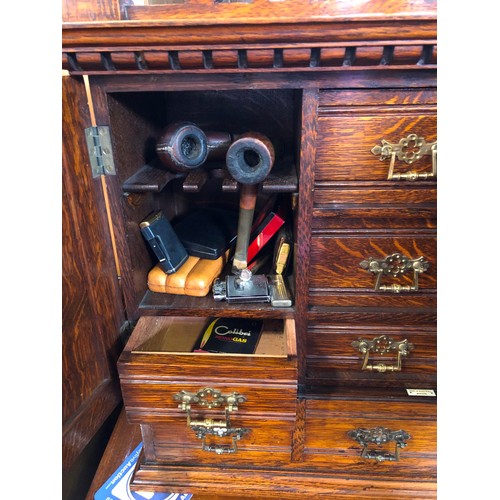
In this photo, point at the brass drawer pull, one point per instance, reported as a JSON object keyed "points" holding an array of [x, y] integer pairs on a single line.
{"points": [[379, 436], [382, 345], [213, 398], [409, 150], [395, 265], [235, 433]]}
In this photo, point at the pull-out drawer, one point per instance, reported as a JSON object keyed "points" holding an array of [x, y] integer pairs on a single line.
{"points": [[374, 205], [373, 437], [382, 356], [257, 439], [195, 406], [361, 133], [371, 269]]}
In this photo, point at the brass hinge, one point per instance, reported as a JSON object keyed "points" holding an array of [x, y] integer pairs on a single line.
{"points": [[100, 151]]}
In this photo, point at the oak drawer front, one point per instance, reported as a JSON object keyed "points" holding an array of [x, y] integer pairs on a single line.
{"points": [[352, 125], [377, 97], [395, 356], [354, 269], [333, 426], [266, 440], [164, 396], [372, 205]]}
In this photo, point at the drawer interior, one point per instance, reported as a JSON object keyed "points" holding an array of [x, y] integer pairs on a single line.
{"points": [[179, 335]]}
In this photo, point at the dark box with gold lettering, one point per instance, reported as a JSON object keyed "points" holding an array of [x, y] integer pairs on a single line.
{"points": [[230, 335]]}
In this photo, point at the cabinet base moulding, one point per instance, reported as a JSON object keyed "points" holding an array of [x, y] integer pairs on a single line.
{"points": [[270, 483]]}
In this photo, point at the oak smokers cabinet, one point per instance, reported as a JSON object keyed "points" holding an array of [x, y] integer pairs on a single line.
{"points": [[339, 398]]}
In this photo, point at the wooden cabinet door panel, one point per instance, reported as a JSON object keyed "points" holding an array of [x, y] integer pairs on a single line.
{"points": [[91, 299]]}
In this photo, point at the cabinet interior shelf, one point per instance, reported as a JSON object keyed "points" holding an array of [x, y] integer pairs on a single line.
{"points": [[153, 178], [158, 303]]}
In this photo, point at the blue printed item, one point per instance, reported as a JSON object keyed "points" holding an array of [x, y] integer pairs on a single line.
{"points": [[117, 487]]}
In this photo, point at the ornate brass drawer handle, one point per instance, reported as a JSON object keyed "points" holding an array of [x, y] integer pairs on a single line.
{"points": [[382, 345], [213, 398], [235, 433], [395, 265], [379, 436], [409, 150]]}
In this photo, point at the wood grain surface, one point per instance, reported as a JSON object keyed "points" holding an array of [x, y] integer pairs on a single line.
{"points": [[268, 441], [265, 11], [347, 134], [332, 358], [330, 80], [343, 453], [335, 260], [92, 314]]}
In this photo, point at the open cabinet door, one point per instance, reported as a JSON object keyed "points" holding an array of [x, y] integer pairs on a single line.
{"points": [[92, 310]]}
